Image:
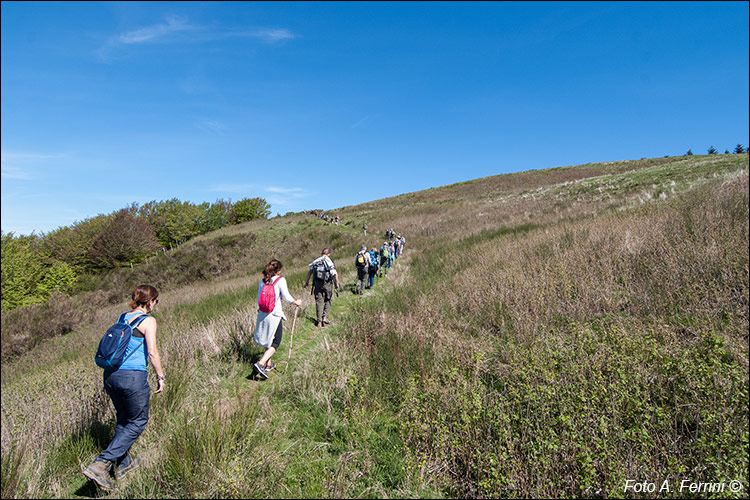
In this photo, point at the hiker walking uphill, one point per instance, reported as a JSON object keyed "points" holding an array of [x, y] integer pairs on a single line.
{"points": [[373, 269], [126, 383], [362, 263], [389, 248], [385, 257], [325, 279], [364, 229], [268, 327]]}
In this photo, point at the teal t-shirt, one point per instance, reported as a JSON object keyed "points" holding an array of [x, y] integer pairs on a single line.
{"points": [[136, 352]]}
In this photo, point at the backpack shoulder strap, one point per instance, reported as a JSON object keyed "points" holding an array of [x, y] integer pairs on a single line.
{"points": [[138, 320], [133, 325], [121, 319]]}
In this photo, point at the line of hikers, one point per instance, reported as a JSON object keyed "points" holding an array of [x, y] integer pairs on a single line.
{"points": [[127, 346], [333, 219], [268, 327], [273, 289], [376, 262]]}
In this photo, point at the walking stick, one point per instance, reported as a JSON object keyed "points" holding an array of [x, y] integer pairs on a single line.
{"points": [[291, 340]]}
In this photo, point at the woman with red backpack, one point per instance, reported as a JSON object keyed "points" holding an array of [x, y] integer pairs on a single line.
{"points": [[268, 327]]}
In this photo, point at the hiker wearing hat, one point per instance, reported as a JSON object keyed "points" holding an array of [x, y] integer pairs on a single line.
{"points": [[362, 262], [325, 278]]}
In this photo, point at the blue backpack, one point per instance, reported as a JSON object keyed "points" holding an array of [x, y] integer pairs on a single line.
{"points": [[114, 343]]}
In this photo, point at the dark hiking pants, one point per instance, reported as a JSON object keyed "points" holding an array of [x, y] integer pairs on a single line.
{"points": [[323, 297], [130, 395], [361, 279]]}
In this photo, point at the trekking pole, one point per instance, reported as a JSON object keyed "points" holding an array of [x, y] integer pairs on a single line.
{"points": [[291, 340]]}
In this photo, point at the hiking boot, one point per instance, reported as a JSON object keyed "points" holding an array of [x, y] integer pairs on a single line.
{"points": [[124, 468], [98, 471], [261, 370], [326, 322], [270, 366]]}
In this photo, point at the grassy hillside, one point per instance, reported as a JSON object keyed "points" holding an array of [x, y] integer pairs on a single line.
{"points": [[547, 333]]}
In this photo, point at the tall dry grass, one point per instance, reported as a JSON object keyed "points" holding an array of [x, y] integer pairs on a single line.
{"points": [[566, 359]]}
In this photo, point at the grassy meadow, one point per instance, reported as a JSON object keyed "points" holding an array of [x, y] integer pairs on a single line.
{"points": [[551, 333]]}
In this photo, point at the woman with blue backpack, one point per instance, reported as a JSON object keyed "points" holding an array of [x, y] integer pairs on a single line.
{"points": [[268, 327], [126, 383]]}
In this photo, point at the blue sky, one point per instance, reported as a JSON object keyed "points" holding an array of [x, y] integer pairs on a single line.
{"points": [[323, 105]]}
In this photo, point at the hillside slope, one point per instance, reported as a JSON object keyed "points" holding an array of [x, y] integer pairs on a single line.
{"points": [[547, 333]]}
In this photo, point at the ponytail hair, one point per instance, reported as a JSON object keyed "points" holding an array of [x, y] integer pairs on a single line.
{"points": [[143, 295], [271, 270]]}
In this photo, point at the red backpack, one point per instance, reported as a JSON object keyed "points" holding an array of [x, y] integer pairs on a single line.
{"points": [[267, 297]]}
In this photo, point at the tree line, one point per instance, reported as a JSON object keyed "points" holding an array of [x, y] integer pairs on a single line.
{"points": [[738, 149], [35, 266]]}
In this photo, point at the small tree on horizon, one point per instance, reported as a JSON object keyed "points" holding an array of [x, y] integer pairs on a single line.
{"points": [[739, 149], [689, 152], [712, 150]]}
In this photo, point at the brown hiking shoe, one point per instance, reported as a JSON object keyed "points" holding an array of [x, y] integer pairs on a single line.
{"points": [[121, 470], [98, 471]]}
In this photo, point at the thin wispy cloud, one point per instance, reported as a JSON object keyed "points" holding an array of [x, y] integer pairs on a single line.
{"points": [[17, 173], [284, 197], [12, 156], [177, 29], [271, 35], [173, 24], [364, 121], [295, 192], [212, 126], [264, 34], [23, 165], [274, 194]]}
